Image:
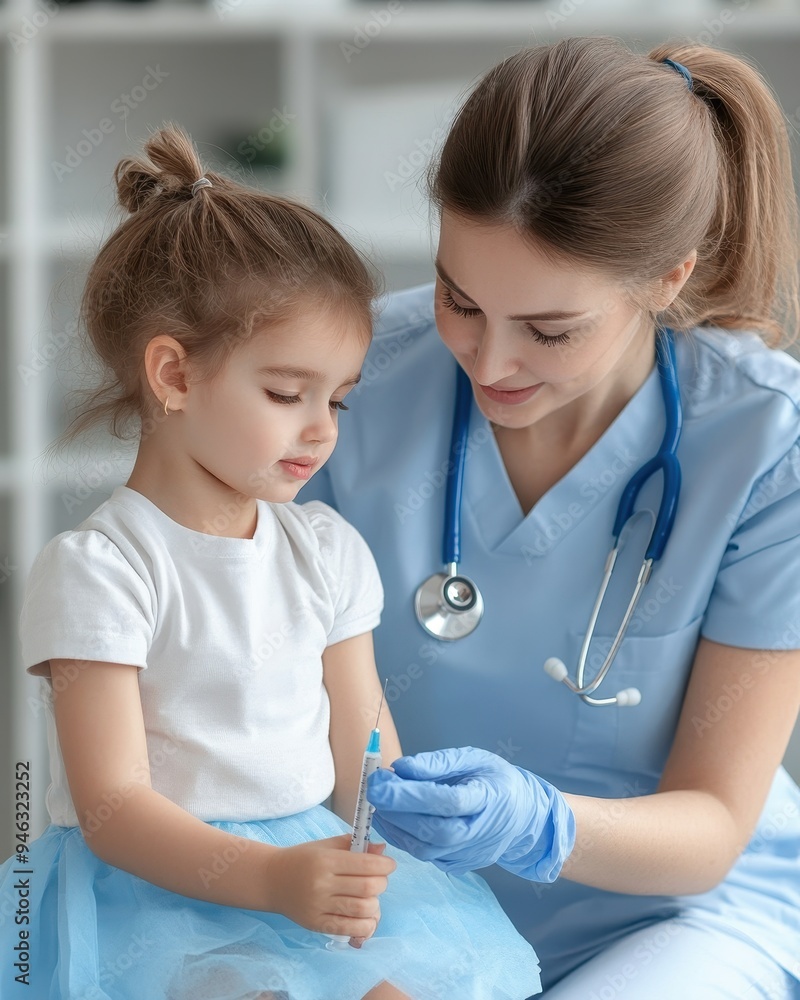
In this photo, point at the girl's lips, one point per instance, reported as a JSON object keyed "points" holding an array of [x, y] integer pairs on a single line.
{"points": [[509, 396], [300, 470]]}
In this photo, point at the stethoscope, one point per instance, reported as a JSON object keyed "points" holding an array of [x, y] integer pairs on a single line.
{"points": [[449, 605]]}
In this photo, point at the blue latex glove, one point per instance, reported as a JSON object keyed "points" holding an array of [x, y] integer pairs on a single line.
{"points": [[467, 808]]}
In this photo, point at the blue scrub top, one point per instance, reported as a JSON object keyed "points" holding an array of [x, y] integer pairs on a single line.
{"points": [[729, 572]]}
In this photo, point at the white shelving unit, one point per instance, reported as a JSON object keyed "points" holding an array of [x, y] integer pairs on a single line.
{"points": [[362, 89]]}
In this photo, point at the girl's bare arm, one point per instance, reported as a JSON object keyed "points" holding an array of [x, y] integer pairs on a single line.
{"points": [[125, 822], [354, 690]]}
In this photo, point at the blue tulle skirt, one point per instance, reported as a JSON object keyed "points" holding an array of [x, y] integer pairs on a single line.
{"points": [[97, 932]]}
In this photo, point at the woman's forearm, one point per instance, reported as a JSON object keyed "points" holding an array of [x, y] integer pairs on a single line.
{"points": [[672, 843], [150, 836]]}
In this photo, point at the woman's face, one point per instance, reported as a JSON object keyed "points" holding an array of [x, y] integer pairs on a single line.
{"points": [[533, 335]]}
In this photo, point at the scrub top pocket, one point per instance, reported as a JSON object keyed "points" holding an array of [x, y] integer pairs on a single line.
{"points": [[634, 741]]}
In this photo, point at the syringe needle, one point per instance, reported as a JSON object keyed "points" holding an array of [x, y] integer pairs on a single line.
{"points": [[380, 707]]}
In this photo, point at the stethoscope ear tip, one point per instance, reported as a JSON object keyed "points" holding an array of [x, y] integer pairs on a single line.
{"points": [[629, 697], [555, 668]]}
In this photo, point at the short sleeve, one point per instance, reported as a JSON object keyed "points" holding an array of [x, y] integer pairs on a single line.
{"points": [[84, 600], [755, 602], [353, 578]]}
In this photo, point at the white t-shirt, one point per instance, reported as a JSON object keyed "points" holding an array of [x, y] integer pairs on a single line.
{"points": [[228, 633]]}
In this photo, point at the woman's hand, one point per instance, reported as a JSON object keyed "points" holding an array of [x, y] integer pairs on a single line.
{"points": [[466, 808], [325, 887]]}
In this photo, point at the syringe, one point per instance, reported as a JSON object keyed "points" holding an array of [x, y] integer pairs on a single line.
{"points": [[362, 822]]}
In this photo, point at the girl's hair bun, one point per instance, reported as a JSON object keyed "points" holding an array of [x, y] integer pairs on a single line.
{"points": [[210, 271], [169, 167]]}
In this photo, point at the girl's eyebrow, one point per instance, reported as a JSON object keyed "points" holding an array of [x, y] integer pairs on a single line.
{"points": [[306, 374], [553, 314]]}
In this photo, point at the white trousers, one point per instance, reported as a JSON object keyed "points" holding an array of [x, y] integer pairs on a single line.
{"points": [[679, 959]]}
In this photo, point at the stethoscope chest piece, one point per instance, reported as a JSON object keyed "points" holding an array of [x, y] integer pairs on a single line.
{"points": [[448, 606]]}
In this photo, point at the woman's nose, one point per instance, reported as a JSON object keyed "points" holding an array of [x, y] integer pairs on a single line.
{"points": [[492, 359]]}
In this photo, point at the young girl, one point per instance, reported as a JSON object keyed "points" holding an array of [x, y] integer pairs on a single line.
{"points": [[205, 644]]}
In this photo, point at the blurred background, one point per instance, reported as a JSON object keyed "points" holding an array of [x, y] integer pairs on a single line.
{"points": [[339, 103]]}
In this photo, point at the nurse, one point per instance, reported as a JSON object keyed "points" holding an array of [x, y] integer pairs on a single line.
{"points": [[589, 197]]}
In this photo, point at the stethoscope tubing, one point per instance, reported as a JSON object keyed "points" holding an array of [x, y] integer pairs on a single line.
{"points": [[665, 458], [454, 497]]}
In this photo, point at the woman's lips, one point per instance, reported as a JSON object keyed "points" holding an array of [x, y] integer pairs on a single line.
{"points": [[509, 396]]}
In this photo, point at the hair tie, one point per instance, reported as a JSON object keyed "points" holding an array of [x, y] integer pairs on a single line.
{"points": [[680, 68], [200, 182]]}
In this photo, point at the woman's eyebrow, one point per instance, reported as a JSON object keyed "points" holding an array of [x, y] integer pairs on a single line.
{"points": [[306, 374], [552, 314], [449, 281]]}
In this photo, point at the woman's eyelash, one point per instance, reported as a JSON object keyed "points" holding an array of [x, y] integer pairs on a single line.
{"points": [[335, 404], [562, 338], [450, 303]]}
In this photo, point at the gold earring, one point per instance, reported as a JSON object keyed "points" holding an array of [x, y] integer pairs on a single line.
{"points": [[166, 404]]}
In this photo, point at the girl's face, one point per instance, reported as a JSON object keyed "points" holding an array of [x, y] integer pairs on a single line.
{"points": [[532, 335], [269, 420]]}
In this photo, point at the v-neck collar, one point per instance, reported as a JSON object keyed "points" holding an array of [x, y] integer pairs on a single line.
{"points": [[599, 475]]}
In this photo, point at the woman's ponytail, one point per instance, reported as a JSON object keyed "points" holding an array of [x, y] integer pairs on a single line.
{"points": [[749, 279]]}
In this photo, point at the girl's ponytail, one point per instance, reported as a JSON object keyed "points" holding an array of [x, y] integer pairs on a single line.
{"points": [[170, 166]]}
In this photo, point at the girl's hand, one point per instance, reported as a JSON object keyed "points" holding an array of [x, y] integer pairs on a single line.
{"points": [[325, 887]]}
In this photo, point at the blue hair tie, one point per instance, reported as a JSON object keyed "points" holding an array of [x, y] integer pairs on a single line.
{"points": [[680, 68]]}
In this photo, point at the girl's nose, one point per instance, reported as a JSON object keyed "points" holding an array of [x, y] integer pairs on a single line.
{"points": [[323, 429]]}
